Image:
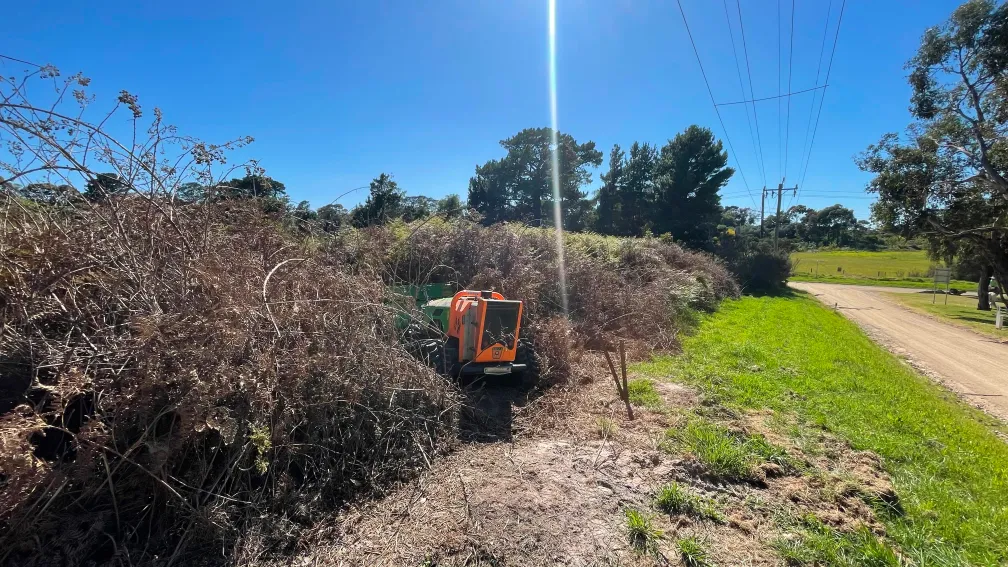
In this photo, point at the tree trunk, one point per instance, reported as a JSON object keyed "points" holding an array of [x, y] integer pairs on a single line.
{"points": [[983, 289]]}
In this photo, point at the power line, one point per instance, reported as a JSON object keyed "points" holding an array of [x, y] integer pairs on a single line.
{"points": [[822, 50], [745, 51], [738, 69], [711, 93], [787, 127], [840, 197], [780, 171], [828, 70], [837, 193], [19, 60], [775, 97]]}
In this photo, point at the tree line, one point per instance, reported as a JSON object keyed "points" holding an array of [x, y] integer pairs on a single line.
{"points": [[672, 190]]}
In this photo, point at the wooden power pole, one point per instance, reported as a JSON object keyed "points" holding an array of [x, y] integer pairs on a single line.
{"points": [[780, 189], [762, 206]]}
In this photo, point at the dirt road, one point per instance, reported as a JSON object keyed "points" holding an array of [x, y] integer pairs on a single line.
{"points": [[975, 366]]}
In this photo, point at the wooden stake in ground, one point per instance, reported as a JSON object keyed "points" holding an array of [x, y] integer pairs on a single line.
{"points": [[621, 388]]}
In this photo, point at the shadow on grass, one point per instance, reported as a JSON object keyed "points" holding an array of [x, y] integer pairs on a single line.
{"points": [[978, 318], [785, 293]]}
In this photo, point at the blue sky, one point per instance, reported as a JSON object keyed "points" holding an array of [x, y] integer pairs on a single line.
{"points": [[336, 93]]}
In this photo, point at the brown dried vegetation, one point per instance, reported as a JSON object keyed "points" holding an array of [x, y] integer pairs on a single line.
{"points": [[175, 374], [179, 379]]}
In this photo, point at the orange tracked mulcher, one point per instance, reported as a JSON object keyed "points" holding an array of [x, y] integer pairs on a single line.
{"points": [[481, 334]]}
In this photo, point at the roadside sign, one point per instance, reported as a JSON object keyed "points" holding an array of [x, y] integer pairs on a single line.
{"points": [[941, 276]]}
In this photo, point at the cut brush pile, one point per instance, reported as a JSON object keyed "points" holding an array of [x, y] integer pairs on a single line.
{"points": [[175, 377], [168, 379]]}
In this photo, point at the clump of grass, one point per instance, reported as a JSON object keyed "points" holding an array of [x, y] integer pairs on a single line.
{"points": [[260, 438], [606, 427], [771, 453], [641, 533], [673, 498], [718, 450], [729, 455], [692, 552], [814, 543], [642, 393]]}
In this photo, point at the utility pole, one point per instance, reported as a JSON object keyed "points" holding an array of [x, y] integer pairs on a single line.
{"points": [[762, 205], [780, 189]]}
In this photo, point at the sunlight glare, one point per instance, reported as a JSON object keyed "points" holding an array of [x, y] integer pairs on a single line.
{"points": [[555, 159]]}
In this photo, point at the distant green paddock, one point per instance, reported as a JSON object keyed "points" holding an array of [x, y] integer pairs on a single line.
{"points": [[896, 268]]}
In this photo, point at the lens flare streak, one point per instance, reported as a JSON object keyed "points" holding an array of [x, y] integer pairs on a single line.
{"points": [[555, 158]]}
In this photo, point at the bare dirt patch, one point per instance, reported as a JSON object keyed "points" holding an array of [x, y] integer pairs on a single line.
{"points": [[557, 494]]}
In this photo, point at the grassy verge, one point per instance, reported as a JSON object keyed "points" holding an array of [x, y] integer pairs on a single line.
{"points": [[792, 355], [914, 283], [959, 311]]}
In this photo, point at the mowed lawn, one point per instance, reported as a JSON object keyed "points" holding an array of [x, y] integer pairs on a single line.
{"points": [[791, 355], [897, 268], [959, 311]]}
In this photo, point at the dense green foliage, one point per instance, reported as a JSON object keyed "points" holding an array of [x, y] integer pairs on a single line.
{"points": [[792, 355], [518, 187], [673, 190]]}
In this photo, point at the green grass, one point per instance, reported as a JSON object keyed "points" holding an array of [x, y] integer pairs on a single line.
{"points": [[912, 283], [949, 468], [895, 264], [722, 454], [728, 455], [673, 498], [642, 393], [894, 268], [642, 536], [960, 311], [813, 543], [692, 552]]}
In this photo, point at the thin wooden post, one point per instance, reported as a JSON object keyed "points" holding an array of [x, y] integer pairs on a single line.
{"points": [[621, 388], [626, 388]]}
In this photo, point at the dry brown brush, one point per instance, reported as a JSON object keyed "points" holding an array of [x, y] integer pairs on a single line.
{"points": [[646, 289], [157, 399], [177, 375]]}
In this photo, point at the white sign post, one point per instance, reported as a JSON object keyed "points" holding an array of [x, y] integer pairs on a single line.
{"points": [[941, 276]]}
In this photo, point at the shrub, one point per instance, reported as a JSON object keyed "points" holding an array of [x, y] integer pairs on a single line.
{"points": [[207, 360], [553, 347], [642, 289], [762, 271]]}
